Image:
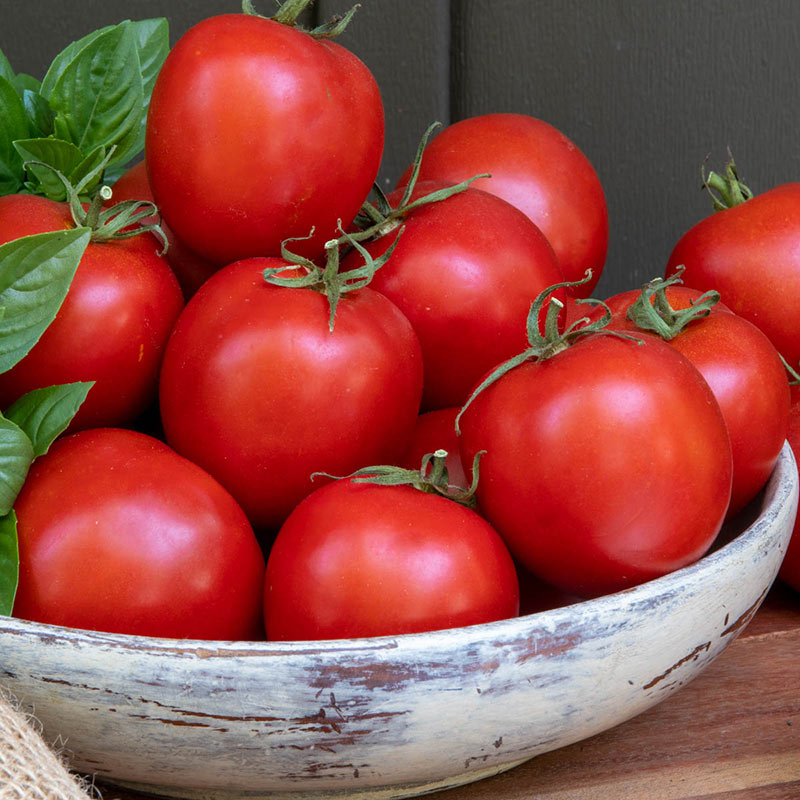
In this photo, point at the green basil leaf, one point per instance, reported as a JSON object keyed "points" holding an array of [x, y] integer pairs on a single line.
{"points": [[44, 414], [16, 457], [26, 83], [40, 116], [98, 97], [9, 562], [13, 125], [6, 70], [36, 275], [62, 155], [65, 57]]}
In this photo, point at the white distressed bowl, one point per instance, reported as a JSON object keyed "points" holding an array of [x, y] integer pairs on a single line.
{"points": [[390, 716]]}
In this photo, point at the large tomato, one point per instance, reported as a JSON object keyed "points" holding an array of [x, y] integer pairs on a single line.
{"points": [[606, 465], [465, 272], [539, 170], [112, 326], [750, 254], [356, 559], [790, 569], [190, 270], [119, 533], [746, 375], [258, 132], [257, 390]]}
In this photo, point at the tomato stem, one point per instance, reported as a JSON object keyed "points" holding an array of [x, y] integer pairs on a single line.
{"points": [[290, 10], [726, 191], [652, 311]]}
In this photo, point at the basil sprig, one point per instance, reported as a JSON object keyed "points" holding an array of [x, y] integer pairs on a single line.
{"points": [[94, 95], [35, 275]]}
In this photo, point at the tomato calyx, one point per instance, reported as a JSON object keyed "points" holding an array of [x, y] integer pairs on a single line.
{"points": [[432, 477], [120, 221], [652, 311], [726, 191], [552, 340], [380, 218], [328, 280], [290, 10]]}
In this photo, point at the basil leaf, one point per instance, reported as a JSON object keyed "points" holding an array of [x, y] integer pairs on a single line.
{"points": [[25, 83], [44, 414], [40, 116], [36, 275], [13, 125], [65, 57], [64, 156], [5, 68], [16, 457], [9, 562], [98, 99]]}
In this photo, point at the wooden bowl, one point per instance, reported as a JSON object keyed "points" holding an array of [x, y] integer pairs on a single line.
{"points": [[390, 716]]}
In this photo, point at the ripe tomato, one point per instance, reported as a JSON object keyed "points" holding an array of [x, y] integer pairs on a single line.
{"points": [[119, 533], [357, 559], [190, 270], [790, 569], [607, 464], [256, 389], [465, 272], [258, 132], [112, 326], [436, 430], [750, 254], [747, 377], [539, 170]]}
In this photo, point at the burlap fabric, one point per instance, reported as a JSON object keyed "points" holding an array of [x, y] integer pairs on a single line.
{"points": [[29, 768]]}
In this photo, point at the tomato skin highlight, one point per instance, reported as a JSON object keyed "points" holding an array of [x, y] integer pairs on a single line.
{"points": [[465, 271], [539, 170], [607, 465], [750, 254], [256, 389], [356, 559], [112, 326], [118, 533], [258, 132], [747, 377]]}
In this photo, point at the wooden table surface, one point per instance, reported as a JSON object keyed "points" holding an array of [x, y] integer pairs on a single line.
{"points": [[731, 734]]}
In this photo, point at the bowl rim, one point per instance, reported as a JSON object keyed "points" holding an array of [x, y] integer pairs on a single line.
{"points": [[781, 488]]}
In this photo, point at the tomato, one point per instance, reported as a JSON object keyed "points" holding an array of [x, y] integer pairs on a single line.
{"points": [[465, 272], [257, 390], [607, 464], [539, 170], [790, 569], [747, 377], [750, 254], [118, 533], [258, 132], [357, 559], [436, 430], [190, 270], [111, 328]]}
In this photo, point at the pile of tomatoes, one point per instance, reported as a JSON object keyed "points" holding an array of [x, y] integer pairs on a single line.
{"points": [[329, 413]]}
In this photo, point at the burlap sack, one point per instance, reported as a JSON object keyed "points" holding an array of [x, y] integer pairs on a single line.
{"points": [[29, 768]]}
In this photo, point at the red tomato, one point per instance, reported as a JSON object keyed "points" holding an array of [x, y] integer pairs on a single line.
{"points": [[436, 430], [750, 253], [747, 377], [190, 270], [465, 272], [356, 559], [256, 390], [258, 132], [607, 464], [790, 569], [119, 533], [112, 326], [539, 170]]}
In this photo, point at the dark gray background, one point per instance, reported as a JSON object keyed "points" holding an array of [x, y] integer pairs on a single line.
{"points": [[646, 88]]}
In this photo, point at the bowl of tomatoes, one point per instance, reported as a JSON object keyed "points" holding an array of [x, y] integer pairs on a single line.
{"points": [[391, 716]]}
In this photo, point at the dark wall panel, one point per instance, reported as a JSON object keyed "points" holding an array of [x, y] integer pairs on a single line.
{"points": [[646, 89]]}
